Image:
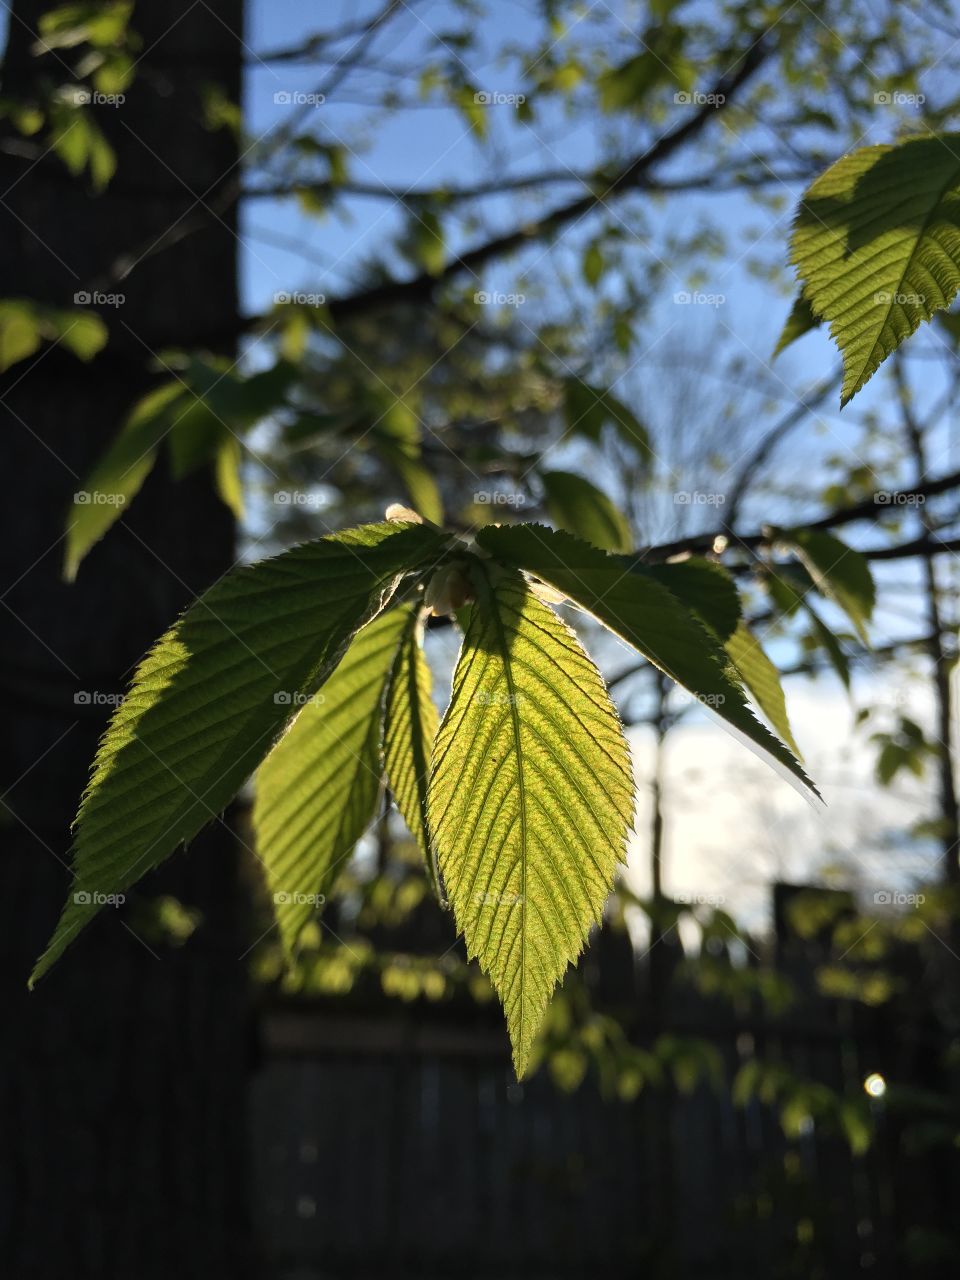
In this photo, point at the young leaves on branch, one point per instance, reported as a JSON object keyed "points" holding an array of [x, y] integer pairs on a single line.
{"points": [[307, 670]]}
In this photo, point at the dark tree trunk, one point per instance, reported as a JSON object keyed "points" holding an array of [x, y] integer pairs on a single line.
{"points": [[122, 1076]]}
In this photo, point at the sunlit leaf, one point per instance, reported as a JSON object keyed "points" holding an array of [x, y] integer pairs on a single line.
{"points": [[800, 321], [647, 616], [316, 792], [763, 681], [212, 695], [531, 797], [876, 244]]}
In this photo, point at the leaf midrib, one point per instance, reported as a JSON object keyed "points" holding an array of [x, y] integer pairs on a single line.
{"points": [[521, 792]]}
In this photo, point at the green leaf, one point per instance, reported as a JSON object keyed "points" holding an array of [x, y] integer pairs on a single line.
{"points": [[410, 729], [876, 245], [840, 573], [101, 158], [228, 477], [830, 645], [800, 321], [789, 596], [199, 416], [416, 478], [24, 325], [204, 707], [316, 792], [594, 263], [82, 332], [20, 334], [80, 144], [427, 242], [703, 586], [647, 616], [397, 436], [857, 1124], [588, 410], [627, 86], [580, 507], [66, 26], [118, 476], [471, 106], [892, 758], [630, 85], [531, 797], [763, 681]]}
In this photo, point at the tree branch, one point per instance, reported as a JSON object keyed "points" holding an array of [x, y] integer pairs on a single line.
{"points": [[869, 509]]}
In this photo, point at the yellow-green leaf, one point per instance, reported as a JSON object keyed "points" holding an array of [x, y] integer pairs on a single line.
{"points": [[531, 797], [876, 245], [763, 680], [317, 790], [647, 616]]}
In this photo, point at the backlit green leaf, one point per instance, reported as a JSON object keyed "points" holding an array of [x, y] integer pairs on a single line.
{"points": [[800, 321], [316, 792], [876, 245], [763, 680], [212, 695], [647, 616], [531, 797]]}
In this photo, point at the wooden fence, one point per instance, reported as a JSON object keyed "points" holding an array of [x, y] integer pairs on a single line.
{"points": [[393, 1143]]}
